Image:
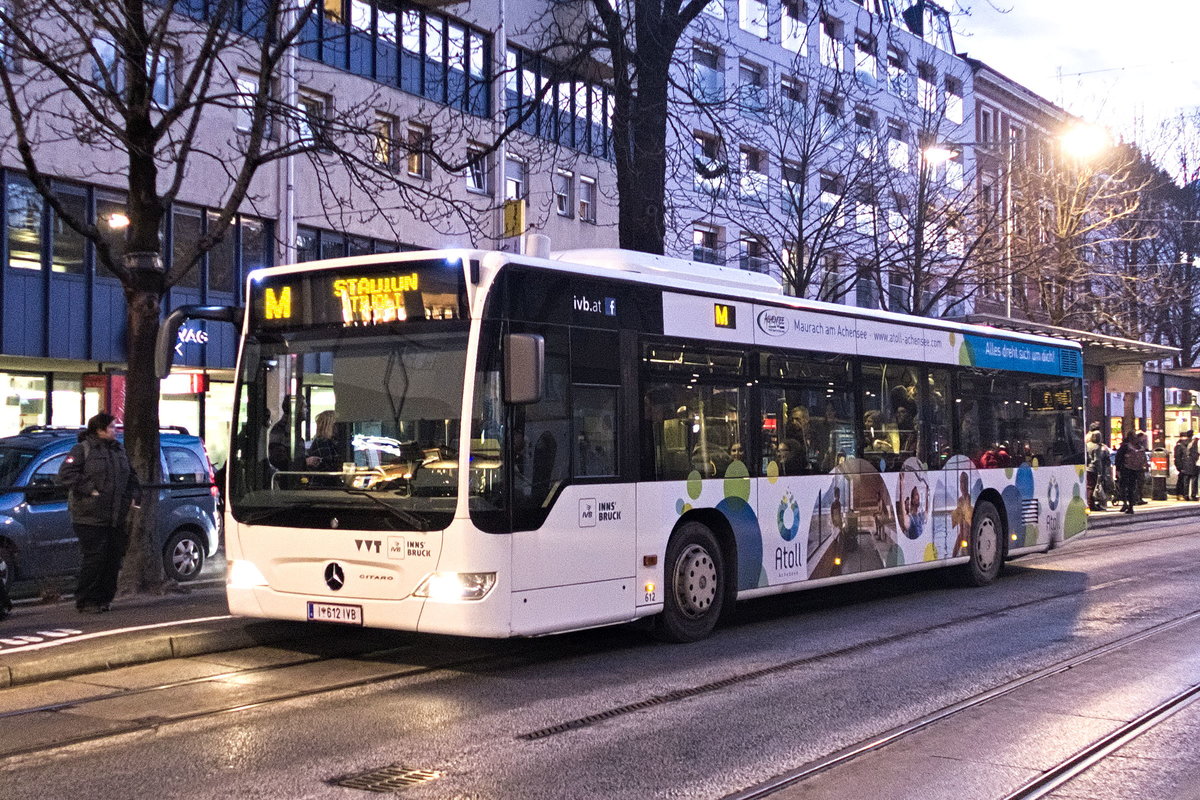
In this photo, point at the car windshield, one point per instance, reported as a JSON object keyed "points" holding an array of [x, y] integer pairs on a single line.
{"points": [[355, 429], [12, 461]]}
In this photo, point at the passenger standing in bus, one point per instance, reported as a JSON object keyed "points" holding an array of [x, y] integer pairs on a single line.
{"points": [[284, 453], [790, 458]]}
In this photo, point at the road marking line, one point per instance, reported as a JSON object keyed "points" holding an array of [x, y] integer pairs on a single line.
{"points": [[100, 634]]}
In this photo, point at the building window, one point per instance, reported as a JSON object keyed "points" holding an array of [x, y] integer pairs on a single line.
{"points": [[794, 96], [570, 112], [418, 151], [897, 74], [23, 215], [752, 183], [707, 78], [866, 62], [515, 186], [898, 150], [831, 43], [312, 123], [865, 289], [794, 36], [383, 133], [587, 199], [954, 100], [160, 68], [792, 185], [864, 133], [106, 67], [752, 88], [985, 125], [705, 247], [751, 254], [927, 91], [564, 200], [830, 200], [715, 8], [831, 117], [709, 165], [477, 170], [753, 18]]}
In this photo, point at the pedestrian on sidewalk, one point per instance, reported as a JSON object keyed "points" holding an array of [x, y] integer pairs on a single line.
{"points": [[103, 487], [1185, 464], [1131, 464], [1098, 458]]}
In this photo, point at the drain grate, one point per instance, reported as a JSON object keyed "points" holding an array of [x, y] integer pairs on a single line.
{"points": [[387, 779]]}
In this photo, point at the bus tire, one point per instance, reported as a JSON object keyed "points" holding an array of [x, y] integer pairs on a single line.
{"points": [[986, 548], [694, 585]]}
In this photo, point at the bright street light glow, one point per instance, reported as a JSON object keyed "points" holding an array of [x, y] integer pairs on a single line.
{"points": [[118, 220], [1084, 141], [938, 154]]}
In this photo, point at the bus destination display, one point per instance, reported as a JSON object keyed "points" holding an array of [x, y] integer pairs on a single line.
{"points": [[363, 297]]}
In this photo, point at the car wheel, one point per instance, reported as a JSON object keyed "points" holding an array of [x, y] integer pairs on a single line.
{"points": [[986, 549], [694, 590], [183, 557], [7, 567]]}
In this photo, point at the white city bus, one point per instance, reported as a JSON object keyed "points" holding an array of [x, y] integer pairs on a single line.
{"points": [[492, 444]]}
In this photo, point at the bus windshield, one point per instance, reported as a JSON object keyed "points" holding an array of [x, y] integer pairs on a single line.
{"points": [[353, 429]]}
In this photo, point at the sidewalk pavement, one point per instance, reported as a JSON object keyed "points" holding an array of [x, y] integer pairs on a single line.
{"points": [[46, 641]]}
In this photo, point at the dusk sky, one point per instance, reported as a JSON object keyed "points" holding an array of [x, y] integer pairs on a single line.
{"points": [[1119, 61]]}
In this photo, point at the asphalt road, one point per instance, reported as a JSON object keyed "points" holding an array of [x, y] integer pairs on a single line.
{"points": [[612, 714]]}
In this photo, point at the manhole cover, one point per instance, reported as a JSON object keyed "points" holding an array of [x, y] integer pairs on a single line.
{"points": [[387, 779]]}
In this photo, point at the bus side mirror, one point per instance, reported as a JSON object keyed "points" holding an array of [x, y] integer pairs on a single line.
{"points": [[524, 367]]}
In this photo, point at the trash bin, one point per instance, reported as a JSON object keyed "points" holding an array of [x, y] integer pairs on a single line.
{"points": [[1158, 473]]}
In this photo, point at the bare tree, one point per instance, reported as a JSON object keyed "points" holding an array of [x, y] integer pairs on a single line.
{"points": [[1068, 215]]}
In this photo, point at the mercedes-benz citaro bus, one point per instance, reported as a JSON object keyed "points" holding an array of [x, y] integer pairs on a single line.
{"points": [[495, 444]]}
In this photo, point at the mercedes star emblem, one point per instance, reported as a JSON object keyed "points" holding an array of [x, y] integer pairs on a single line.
{"points": [[335, 578]]}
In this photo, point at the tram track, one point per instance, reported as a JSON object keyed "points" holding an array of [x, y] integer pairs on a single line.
{"points": [[544, 651], [1049, 779]]}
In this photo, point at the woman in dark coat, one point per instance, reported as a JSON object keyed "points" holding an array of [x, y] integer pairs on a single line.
{"points": [[103, 487]]}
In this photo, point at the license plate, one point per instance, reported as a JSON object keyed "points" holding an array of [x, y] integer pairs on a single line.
{"points": [[334, 612]]}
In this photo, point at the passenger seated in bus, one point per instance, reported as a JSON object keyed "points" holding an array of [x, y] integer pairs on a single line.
{"points": [[789, 457], [325, 452], [875, 438], [737, 452]]}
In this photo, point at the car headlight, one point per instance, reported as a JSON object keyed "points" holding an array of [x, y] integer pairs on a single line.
{"points": [[244, 575], [447, 587]]}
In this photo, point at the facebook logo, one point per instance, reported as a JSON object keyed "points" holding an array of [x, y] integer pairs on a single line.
{"points": [[610, 306]]}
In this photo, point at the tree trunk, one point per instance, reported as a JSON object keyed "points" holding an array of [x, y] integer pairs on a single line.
{"points": [[639, 135], [143, 567]]}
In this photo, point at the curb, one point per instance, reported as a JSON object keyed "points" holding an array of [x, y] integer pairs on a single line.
{"points": [[136, 648], [1110, 519]]}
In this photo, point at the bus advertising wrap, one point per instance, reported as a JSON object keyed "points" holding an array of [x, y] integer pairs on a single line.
{"points": [[772, 326]]}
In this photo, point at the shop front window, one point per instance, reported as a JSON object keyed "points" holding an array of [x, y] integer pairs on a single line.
{"points": [[66, 407], [23, 403]]}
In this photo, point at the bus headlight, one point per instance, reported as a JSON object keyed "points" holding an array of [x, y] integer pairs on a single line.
{"points": [[244, 575], [450, 586]]}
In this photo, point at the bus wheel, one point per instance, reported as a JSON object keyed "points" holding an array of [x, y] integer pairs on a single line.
{"points": [[986, 549], [695, 585]]}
